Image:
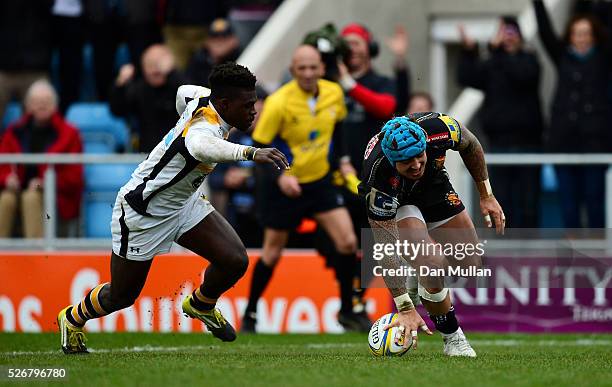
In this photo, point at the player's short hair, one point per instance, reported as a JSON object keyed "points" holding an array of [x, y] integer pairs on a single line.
{"points": [[226, 78]]}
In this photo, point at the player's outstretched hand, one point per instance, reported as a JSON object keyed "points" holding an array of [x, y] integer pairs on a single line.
{"points": [[408, 323], [493, 213], [272, 156]]}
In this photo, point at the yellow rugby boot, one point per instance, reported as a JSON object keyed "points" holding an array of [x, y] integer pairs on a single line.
{"points": [[213, 319], [72, 338]]}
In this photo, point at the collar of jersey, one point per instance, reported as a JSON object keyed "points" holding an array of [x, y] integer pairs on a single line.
{"points": [[224, 125]]}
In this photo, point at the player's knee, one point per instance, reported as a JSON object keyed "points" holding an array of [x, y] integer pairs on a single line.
{"points": [[433, 294], [347, 244], [238, 262]]}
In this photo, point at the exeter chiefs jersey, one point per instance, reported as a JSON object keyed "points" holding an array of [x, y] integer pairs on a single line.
{"points": [[384, 189], [174, 171]]}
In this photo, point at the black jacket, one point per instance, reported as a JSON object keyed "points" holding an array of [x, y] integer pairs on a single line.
{"points": [[511, 115], [359, 126], [25, 35], [201, 64], [154, 109], [581, 103], [194, 12]]}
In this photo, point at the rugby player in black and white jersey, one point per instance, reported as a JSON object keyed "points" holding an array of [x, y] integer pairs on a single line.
{"points": [[163, 203], [409, 198]]}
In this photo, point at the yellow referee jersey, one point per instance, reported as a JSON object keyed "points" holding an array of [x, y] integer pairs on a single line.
{"points": [[305, 124]]}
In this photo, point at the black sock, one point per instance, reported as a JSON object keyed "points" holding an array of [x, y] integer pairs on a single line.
{"points": [[261, 276], [344, 274], [198, 304], [446, 323], [358, 290]]}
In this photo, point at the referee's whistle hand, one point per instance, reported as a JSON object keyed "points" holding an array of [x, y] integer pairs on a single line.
{"points": [[272, 156]]}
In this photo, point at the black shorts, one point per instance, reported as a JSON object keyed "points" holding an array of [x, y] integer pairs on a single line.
{"points": [[284, 213], [437, 200]]}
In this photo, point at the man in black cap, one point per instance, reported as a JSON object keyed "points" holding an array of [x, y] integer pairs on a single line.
{"points": [[222, 45]]}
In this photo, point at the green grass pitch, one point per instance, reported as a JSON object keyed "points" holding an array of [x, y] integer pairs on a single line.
{"points": [[129, 359]]}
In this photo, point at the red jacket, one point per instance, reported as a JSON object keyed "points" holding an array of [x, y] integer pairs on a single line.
{"points": [[70, 180]]}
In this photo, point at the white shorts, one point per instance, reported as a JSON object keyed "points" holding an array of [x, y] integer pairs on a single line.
{"points": [[140, 238], [411, 211]]}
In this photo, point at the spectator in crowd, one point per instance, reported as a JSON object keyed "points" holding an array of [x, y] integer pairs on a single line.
{"points": [[186, 24], [420, 101], [370, 97], [232, 186], [112, 22], [142, 27], [399, 44], [222, 45], [511, 116], [68, 39], [149, 99], [41, 130], [25, 47], [305, 114], [106, 25], [370, 101], [580, 109]]}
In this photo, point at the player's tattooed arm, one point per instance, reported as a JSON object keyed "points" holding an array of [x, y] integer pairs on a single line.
{"points": [[473, 155], [386, 232]]}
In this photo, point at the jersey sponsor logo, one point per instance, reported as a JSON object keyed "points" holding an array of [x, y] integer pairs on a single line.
{"points": [[381, 204], [394, 181], [314, 134], [436, 137], [197, 182], [370, 147], [339, 200], [453, 199], [420, 117], [453, 127]]}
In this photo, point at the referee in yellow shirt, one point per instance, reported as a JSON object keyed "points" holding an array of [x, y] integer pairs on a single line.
{"points": [[303, 114]]}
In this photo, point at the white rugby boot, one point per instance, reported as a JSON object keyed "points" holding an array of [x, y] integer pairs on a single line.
{"points": [[456, 344]]}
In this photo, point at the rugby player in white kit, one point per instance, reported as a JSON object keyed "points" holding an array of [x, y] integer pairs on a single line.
{"points": [[163, 203]]}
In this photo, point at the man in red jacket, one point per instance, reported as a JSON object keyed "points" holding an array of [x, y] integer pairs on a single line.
{"points": [[370, 101], [41, 130]]}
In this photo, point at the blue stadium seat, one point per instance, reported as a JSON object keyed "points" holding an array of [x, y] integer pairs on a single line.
{"points": [[98, 215], [98, 147], [107, 177], [98, 125], [102, 182], [11, 113]]}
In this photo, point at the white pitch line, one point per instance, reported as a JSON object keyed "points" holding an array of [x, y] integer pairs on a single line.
{"points": [[481, 343], [146, 348]]}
